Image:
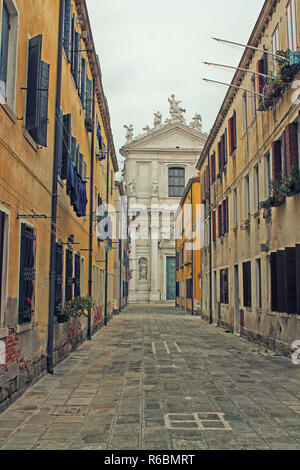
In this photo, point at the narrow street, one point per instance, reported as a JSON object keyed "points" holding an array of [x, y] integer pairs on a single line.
{"points": [[159, 379]]}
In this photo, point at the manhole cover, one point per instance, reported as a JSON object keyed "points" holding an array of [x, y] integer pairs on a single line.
{"points": [[197, 421]]}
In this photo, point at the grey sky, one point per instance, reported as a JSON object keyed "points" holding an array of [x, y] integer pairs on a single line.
{"points": [[151, 49]]}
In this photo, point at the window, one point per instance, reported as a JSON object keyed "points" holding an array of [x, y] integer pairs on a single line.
{"points": [[177, 289], [8, 53], [245, 113], [27, 274], [37, 93], [247, 198], [247, 284], [253, 97], [285, 280], [82, 293], [67, 39], [232, 134], [275, 47], [76, 275], [291, 164], [176, 182], [277, 160], [256, 188], [214, 231], [263, 70], [213, 167], [235, 208], [224, 287], [267, 164], [94, 282], [222, 152], [3, 260], [189, 289], [223, 218], [258, 284], [69, 275], [291, 25], [59, 277]]}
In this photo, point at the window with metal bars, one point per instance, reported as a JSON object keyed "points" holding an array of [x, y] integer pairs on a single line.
{"points": [[27, 274], [69, 275], [76, 275], [59, 277]]}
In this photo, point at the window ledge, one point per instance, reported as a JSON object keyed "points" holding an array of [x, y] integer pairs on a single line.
{"points": [[9, 112], [4, 332], [24, 328], [30, 140]]}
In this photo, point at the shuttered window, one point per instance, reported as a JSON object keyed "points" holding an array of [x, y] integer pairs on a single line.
{"points": [[214, 228], [37, 93], [2, 225], [77, 275], [82, 91], [176, 182], [66, 146], [189, 289], [88, 101], [232, 133], [59, 277], [69, 275], [291, 149], [67, 40], [285, 280], [247, 280], [27, 274], [213, 168], [277, 160], [4, 50], [224, 287]]}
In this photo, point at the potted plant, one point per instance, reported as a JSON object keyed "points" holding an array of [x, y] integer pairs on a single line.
{"points": [[278, 193], [78, 307], [293, 182]]}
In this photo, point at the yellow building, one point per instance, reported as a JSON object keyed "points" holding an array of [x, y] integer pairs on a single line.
{"points": [[250, 174], [57, 166], [188, 248]]}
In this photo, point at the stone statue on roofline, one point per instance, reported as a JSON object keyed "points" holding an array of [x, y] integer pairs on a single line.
{"points": [[196, 122], [175, 111], [157, 119], [129, 134]]}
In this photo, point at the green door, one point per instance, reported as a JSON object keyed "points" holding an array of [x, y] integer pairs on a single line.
{"points": [[171, 278]]}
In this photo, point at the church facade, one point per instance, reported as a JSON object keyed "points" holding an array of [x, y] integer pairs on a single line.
{"points": [[159, 163]]}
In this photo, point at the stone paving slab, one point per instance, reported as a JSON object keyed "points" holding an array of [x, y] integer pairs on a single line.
{"points": [[158, 379]]}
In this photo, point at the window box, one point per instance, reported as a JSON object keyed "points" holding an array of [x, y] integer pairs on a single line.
{"points": [[279, 201]]}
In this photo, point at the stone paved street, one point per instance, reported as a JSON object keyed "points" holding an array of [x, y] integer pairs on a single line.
{"points": [[158, 379]]}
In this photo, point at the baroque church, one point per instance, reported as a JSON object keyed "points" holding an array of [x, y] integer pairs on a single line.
{"points": [[158, 166]]}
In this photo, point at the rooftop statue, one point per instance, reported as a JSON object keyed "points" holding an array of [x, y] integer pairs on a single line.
{"points": [[129, 135], [157, 119], [196, 122], [175, 111]]}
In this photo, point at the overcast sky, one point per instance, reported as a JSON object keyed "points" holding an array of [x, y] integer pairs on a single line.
{"points": [[150, 49]]}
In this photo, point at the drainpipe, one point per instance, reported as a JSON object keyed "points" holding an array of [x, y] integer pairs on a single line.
{"points": [[192, 251], [106, 252], [52, 275], [210, 244], [90, 282]]}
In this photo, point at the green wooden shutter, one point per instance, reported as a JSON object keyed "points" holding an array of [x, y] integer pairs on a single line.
{"points": [[68, 29], [33, 77], [88, 107], [77, 59], [42, 110], [66, 146], [60, 136], [83, 83], [4, 46], [73, 150], [73, 46]]}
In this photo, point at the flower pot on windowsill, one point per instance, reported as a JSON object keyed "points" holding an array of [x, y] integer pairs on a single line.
{"points": [[280, 200]]}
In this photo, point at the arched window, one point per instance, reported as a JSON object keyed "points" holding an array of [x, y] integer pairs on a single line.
{"points": [[176, 182]]}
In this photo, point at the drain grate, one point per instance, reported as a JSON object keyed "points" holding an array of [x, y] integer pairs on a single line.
{"points": [[197, 421]]}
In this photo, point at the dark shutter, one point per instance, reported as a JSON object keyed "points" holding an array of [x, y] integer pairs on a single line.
{"points": [[214, 232], [60, 136], [33, 77], [83, 83], [4, 43], [73, 46], [77, 58], [42, 110], [220, 220], [88, 107], [27, 274], [69, 276], [291, 284], [247, 284], [225, 147], [66, 146], [73, 149], [291, 147], [77, 275], [277, 163], [230, 136], [274, 292], [2, 222], [59, 277], [213, 168], [281, 281], [80, 165], [298, 279], [68, 29]]}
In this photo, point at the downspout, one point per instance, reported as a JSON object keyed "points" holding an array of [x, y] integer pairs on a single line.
{"points": [[52, 275], [106, 251], [90, 282], [192, 250], [210, 247]]}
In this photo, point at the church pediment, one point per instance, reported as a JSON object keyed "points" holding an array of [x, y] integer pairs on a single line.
{"points": [[175, 135]]}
